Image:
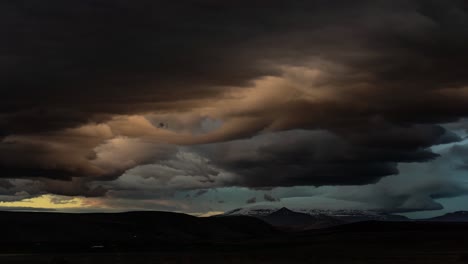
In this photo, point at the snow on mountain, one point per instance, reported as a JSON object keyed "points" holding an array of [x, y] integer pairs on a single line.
{"points": [[292, 220], [345, 215], [253, 211]]}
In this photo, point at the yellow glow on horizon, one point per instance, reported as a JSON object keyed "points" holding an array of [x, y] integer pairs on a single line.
{"points": [[47, 201]]}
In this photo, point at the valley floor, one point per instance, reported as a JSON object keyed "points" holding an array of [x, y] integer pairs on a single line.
{"points": [[326, 248]]}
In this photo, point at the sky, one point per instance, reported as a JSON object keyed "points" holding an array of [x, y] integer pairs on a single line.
{"points": [[203, 106]]}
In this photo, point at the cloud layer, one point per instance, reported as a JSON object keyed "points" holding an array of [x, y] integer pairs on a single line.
{"points": [[143, 98]]}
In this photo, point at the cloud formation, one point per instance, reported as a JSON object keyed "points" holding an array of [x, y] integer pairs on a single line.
{"points": [[250, 94]]}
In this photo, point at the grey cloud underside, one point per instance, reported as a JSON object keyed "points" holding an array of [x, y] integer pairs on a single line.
{"points": [[302, 157], [390, 63], [281, 159], [269, 198], [251, 200], [417, 187]]}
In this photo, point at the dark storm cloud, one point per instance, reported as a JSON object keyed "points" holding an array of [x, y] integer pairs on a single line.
{"points": [[417, 187], [69, 63], [5, 184], [303, 157], [200, 193], [270, 198], [378, 75], [75, 187], [251, 200]]}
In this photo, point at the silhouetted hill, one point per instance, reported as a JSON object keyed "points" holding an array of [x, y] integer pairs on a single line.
{"points": [[131, 229], [159, 237]]}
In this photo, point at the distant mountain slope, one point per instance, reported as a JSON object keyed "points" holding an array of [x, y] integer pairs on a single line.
{"points": [[299, 221], [302, 219], [459, 216], [353, 215], [252, 211], [138, 228]]}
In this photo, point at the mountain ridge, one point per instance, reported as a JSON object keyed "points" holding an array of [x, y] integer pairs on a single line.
{"points": [[128, 229], [303, 219], [312, 218]]}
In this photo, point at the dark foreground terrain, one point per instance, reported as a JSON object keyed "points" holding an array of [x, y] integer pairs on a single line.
{"points": [[157, 237]]}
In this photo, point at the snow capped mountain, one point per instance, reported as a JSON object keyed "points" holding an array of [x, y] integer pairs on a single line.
{"points": [[265, 210], [299, 221], [312, 218], [255, 211]]}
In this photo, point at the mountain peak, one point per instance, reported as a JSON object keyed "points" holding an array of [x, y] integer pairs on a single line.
{"points": [[284, 210]]}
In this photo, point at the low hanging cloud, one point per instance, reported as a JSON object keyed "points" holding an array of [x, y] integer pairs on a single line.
{"points": [[251, 200], [300, 157], [270, 198], [417, 187], [183, 171]]}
